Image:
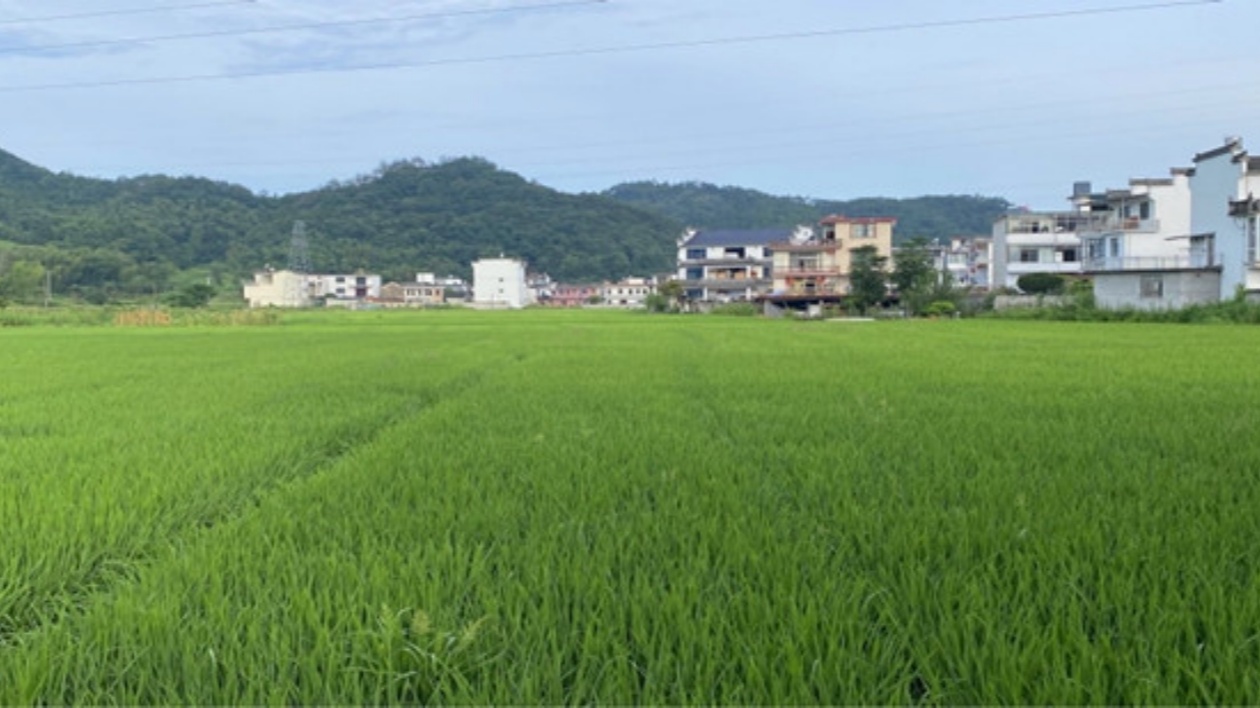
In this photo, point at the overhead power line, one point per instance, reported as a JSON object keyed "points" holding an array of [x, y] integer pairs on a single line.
{"points": [[123, 11], [617, 49], [331, 24]]}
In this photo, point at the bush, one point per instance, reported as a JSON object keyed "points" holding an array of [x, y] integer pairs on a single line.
{"points": [[940, 308], [1041, 284], [658, 303]]}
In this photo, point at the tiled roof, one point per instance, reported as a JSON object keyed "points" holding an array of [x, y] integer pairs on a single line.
{"points": [[742, 237]]}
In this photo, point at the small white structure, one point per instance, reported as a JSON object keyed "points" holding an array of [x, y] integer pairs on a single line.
{"points": [[278, 288], [629, 293], [285, 288], [358, 286], [499, 283]]}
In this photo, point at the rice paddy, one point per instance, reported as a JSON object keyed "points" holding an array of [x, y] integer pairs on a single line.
{"points": [[559, 507]]}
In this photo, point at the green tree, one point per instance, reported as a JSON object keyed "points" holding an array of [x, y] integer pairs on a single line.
{"points": [[193, 295], [914, 275], [22, 281], [672, 291], [867, 278]]}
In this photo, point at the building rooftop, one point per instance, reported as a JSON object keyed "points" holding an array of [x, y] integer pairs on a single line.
{"points": [[841, 219], [737, 237]]}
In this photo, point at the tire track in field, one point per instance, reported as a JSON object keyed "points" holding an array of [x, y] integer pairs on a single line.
{"points": [[23, 614]]}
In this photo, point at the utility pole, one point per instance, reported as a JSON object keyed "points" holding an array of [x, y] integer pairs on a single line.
{"points": [[47, 287]]}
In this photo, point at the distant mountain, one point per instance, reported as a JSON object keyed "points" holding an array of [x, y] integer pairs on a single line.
{"points": [[700, 204], [110, 238]]}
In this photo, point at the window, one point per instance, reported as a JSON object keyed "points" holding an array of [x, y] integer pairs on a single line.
{"points": [[341, 279], [360, 281], [1144, 211], [1069, 255], [1027, 255], [1152, 286], [695, 254], [695, 274], [1113, 247], [862, 231]]}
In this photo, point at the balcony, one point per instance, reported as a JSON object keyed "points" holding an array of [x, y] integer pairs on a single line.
{"points": [[1132, 225], [1244, 207], [728, 283], [807, 271], [826, 246], [724, 260], [1113, 264], [1056, 223]]}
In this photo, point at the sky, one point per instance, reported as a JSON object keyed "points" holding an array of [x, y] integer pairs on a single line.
{"points": [[832, 99]]}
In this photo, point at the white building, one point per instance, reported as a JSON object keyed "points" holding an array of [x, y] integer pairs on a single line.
{"points": [[499, 283], [966, 259], [1224, 216], [1140, 255], [628, 293], [1026, 242], [1191, 239], [285, 288], [730, 265], [278, 288], [358, 286]]}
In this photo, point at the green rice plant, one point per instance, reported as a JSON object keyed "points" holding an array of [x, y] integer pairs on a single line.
{"points": [[648, 510], [421, 663]]}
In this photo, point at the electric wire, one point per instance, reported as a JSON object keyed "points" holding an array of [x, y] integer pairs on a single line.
{"points": [[331, 24], [609, 50], [124, 11]]}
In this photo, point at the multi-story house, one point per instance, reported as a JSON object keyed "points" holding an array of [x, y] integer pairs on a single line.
{"points": [[965, 259], [727, 265], [499, 283], [819, 267], [285, 288], [1143, 239], [1026, 242], [1225, 216], [1180, 241], [424, 292], [571, 295], [356, 286], [627, 292]]}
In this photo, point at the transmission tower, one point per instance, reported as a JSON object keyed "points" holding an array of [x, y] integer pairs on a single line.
{"points": [[299, 285], [299, 249]]}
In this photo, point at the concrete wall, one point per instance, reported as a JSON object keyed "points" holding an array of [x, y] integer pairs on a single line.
{"points": [[1178, 289], [499, 282], [1216, 180]]}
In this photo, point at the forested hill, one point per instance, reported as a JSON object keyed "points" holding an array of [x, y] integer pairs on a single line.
{"points": [[706, 205], [103, 239], [112, 239]]}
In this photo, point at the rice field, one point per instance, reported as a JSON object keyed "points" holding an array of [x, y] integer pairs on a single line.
{"points": [[558, 507]]}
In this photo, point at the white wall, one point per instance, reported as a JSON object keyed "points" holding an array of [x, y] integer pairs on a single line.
{"points": [[1180, 288], [500, 282]]}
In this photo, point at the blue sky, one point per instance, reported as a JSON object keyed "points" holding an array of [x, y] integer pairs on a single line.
{"points": [[583, 94]]}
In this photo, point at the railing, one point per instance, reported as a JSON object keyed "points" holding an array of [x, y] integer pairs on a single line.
{"points": [[1122, 263], [730, 260], [1133, 224], [806, 272], [1069, 222], [728, 283]]}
